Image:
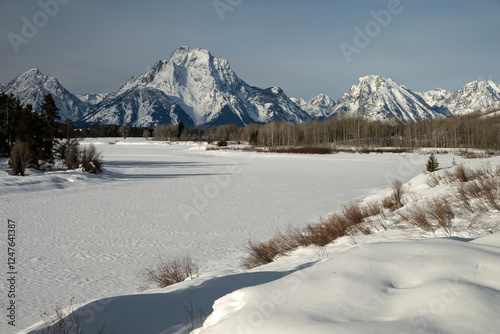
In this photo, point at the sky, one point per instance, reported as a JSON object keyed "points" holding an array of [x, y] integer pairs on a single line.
{"points": [[306, 47]]}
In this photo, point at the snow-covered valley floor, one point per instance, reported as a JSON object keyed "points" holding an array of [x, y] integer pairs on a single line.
{"points": [[88, 236]]}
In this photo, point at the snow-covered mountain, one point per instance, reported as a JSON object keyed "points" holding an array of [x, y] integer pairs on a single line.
{"points": [[92, 98], [436, 97], [477, 95], [31, 87], [195, 86], [381, 98], [140, 106], [319, 107], [199, 89], [274, 105]]}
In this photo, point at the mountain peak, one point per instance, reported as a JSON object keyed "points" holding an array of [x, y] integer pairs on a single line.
{"points": [[320, 106], [33, 70], [31, 87], [474, 96], [33, 73], [185, 56]]}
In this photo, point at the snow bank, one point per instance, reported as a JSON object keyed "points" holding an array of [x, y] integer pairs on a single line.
{"points": [[435, 285]]}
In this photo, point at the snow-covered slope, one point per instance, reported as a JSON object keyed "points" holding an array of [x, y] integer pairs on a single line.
{"points": [[92, 98], [381, 98], [206, 89], [399, 279], [435, 97], [274, 105], [318, 107], [140, 106], [31, 87], [475, 96]]}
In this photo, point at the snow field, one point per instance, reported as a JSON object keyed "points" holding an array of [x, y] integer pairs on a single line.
{"points": [[88, 236]]}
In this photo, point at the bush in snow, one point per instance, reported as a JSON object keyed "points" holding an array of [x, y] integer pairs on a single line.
{"points": [[91, 160], [348, 223], [69, 321], [169, 271], [395, 201], [19, 157], [73, 155]]}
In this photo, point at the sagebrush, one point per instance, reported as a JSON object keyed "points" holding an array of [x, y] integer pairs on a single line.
{"points": [[168, 271]]}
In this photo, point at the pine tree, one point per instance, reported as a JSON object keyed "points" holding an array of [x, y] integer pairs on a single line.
{"points": [[432, 163], [180, 129], [10, 109], [48, 117]]}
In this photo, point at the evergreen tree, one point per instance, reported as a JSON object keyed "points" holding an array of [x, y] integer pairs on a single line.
{"points": [[47, 120], [180, 129], [254, 138], [432, 163], [10, 108]]}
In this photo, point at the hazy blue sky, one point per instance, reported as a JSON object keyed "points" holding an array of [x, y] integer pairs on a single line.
{"points": [[96, 45]]}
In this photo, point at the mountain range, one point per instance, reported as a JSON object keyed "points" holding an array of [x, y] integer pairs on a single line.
{"points": [[197, 88]]}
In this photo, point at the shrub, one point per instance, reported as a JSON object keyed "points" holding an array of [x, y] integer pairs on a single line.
{"points": [[433, 180], [463, 197], [261, 253], [19, 157], [418, 216], [371, 209], [442, 212], [335, 227], [489, 192], [91, 160], [222, 143], [73, 155], [395, 201], [72, 323], [461, 173], [170, 271], [353, 214]]}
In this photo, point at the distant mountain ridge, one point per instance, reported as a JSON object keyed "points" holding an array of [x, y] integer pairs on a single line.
{"points": [[378, 98], [197, 88], [318, 107]]}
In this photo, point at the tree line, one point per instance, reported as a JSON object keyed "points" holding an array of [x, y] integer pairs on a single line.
{"points": [[36, 139], [471, 131], [33, 132]]}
